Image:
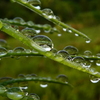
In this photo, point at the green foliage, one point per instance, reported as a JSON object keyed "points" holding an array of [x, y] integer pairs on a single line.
{"points": [[42, 46]]}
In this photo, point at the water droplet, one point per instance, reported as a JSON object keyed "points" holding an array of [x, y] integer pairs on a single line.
{"points": [[98, 55], [63, 53], [3, 51], [76, 34], [94, 79], [87, 64], [43, 85], [33, 96], [87, 53], [88, 41], [64, 29], [43, 41], [70, 31], [18, 20], [47, 28], [34, 2], [71, 50], [3, 43], [37, 7], [59, 35], [29, 32], [38, 31], [30, 23], [15, 93], [28, 51], [48, 12], [62, 78], [98, 62], [2, 89], [19, 50], [79, 60]]}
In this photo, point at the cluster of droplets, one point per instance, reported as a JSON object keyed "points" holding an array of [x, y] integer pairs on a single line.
{"points": [[17, 93]]}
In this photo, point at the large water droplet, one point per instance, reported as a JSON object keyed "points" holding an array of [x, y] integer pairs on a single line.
{"points": [[3, 43], [18, 20], [48, 12], [62, 78], [43, 41], [94, 79], [19, 50], [29, 32], [71, 50], [15, 93], [2, 89], [79, 60], [98, 62], [33, 96], [63, 53], [87, 53], [3, 51]]}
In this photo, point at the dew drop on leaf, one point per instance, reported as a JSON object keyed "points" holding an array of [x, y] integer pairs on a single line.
{"points": [[87, 64], [62, 78], [33, 96], [87, 53], [71, 50], [15, 93], [43, 41], [98, 55], [30, 23], [3, 51], [70, 31], [63, 53], [24, 1], [48, 12], [2, 89], [29, 32], [98, 62], [19, 50], [34, 2], [3, 43], [38, 31], [43, 85], [94, 79], [18, 20], [76, 34], [59, 35], [88, 41], [79, 60], [64, 29]]}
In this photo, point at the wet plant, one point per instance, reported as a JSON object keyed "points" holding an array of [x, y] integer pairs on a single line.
{"points": [[41, 45]]}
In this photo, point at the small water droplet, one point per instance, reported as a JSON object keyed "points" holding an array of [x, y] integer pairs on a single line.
{"points": [[63, 53], [15, 93], [33, 96], [59, 35], [64, 29], [88, 41], [76, 34], [98, 62], [94, 79], [48, 12], [24, 1], [43, 41], [29, 32], [43, 85], [30, 23], [34, 2], [98, 55], [87, 64], [79, 60], [38, 31], [71, 50], [87, 53], [19, 50], [37, 7], [3, 51], [18, 20], [3, 43], [70, 31], [2, 89], [47, 28], [62, 78]]}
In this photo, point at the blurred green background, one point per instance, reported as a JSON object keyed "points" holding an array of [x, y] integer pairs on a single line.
{"points": [[83, 15]]}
